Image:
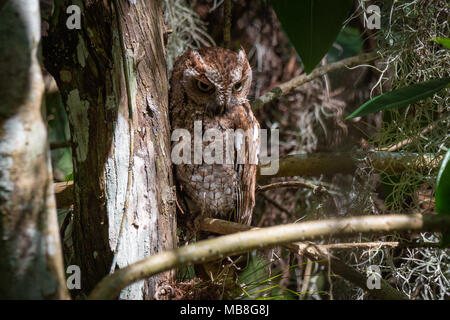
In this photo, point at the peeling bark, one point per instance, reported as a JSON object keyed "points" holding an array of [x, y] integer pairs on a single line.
{"points": [[87, 66], [31, 265]]}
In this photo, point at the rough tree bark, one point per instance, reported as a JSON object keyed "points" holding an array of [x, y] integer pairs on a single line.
{"points": [[31, 265], [87, 66]]}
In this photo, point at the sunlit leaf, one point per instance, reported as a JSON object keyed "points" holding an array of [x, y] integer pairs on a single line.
{"points": [[444, 41]]}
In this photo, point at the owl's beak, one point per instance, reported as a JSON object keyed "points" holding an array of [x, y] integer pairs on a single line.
{"points": [[223, 100]]}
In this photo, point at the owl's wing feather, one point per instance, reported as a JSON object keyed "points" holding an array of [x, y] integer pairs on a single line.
{"points": [[245, 198]]}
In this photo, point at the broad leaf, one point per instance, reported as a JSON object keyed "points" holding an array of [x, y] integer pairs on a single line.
{"points": [[444, 41], [312, 25], [443, 186], [443, 193], [401, 97]]}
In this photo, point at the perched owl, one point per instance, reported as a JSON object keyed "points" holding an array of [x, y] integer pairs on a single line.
{"points": [[208, 90]]}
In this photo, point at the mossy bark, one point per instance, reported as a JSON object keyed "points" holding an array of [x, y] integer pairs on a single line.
{"points": [[87, 66]]}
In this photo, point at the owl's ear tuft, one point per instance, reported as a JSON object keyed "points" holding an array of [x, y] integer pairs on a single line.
{"points": [[197, 56], [242, 56]]}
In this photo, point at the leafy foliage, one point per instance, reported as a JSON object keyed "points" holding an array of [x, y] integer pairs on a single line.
{"points": [[312, 26], [444, 41], [348, 44], [443, 193], [401, 97]]}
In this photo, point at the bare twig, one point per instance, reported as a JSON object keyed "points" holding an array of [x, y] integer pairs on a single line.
{"points": [[347, 272], [306, 277], [285, 87], [380, 244], [276, 204], [407, 141], [291, 184], [65, 224], [220, 247], [329, 277]]}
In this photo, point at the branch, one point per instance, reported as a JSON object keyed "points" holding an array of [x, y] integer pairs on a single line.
{"points": [[291, 184], [226, 227], [334, 264], [285, 87], [321, 254], [346, 162], [410, 140], [212, 249], [276, 204], [380, 244], [314, 165]]}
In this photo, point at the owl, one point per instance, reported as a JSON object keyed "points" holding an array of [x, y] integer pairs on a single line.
{"points": [[208, 90]]}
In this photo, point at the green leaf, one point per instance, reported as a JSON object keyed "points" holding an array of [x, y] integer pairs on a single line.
{"points": [[312, 25], [401, 97], [443, 186], [443, 193], [444, 41], [69, 177], [348, 44]]}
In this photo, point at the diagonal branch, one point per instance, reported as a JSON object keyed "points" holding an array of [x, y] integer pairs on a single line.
{"points": [[410, 140], [287, 86], [275, 204], [212, 249], [321, 254]]}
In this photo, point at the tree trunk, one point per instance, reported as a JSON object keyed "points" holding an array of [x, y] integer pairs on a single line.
{"points": [[87, 66], [31, 265]]}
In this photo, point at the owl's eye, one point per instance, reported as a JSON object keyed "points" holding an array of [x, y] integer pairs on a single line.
{"points": [[238, 86], [204, 87]]}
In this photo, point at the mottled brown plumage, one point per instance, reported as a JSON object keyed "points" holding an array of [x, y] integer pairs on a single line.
{"points": [[211, 85]]}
